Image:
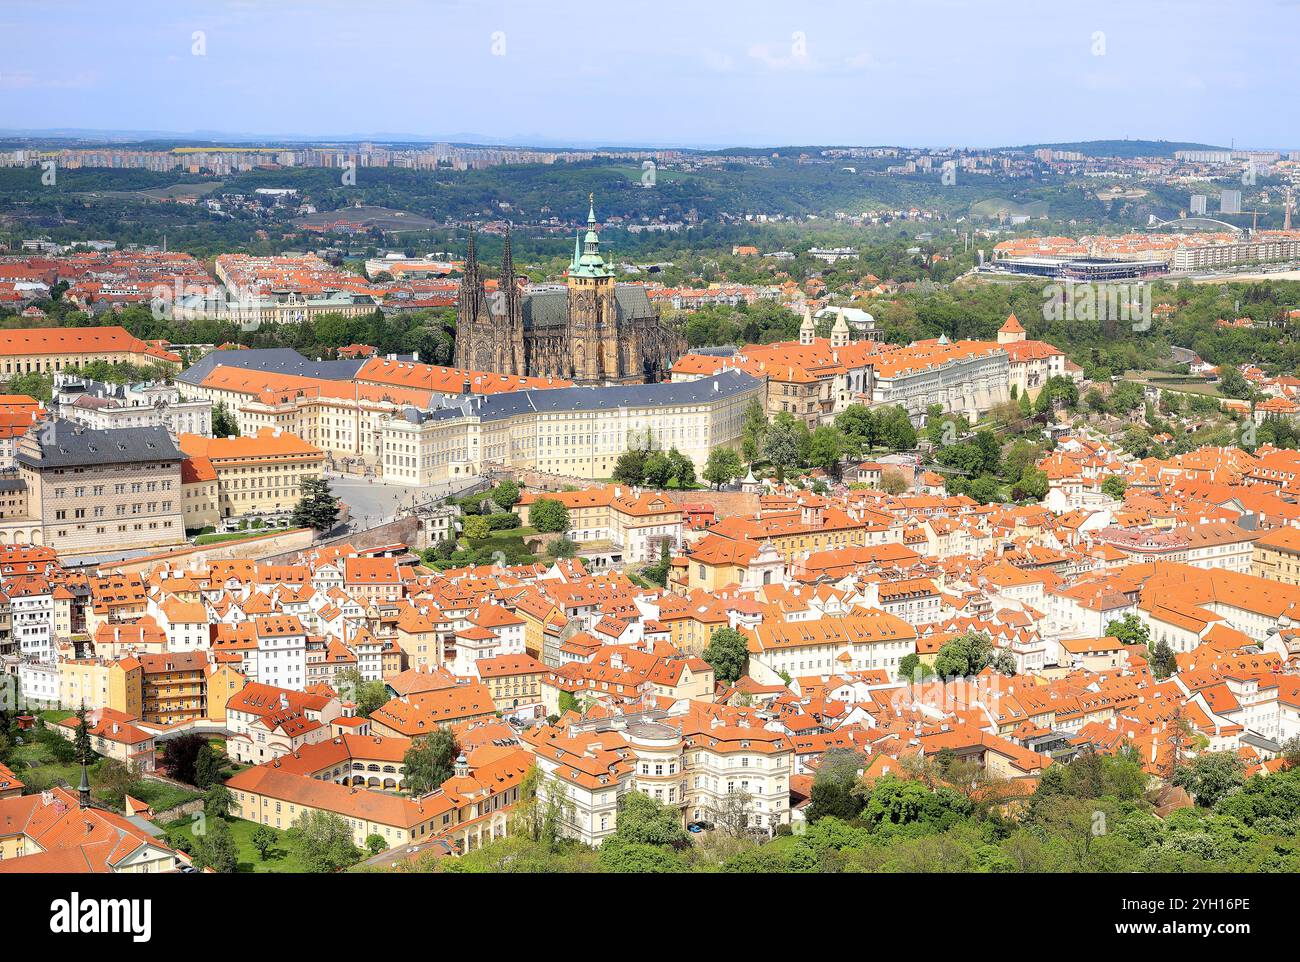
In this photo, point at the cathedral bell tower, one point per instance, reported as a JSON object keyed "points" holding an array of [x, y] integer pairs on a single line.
{"points": [[593, 314]]}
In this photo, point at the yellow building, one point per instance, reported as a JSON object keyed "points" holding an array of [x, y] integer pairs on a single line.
{"points": [[98, 683], [1277, 556], [257, 475], [50, 349]]}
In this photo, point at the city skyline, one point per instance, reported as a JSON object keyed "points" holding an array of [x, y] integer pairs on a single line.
{"points": [[501, 73]]}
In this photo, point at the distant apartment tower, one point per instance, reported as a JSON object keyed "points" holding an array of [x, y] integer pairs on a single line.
{"points": [[1230, 202], [1198, 205]]}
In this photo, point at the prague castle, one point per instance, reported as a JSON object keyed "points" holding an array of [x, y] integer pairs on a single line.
{"points": [[593, 332]]}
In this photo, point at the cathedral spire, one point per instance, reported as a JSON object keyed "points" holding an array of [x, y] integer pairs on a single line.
{"points": [[507, 264]]}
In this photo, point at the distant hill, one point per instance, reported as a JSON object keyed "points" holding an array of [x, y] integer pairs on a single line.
{"points": [[1123, 148]]}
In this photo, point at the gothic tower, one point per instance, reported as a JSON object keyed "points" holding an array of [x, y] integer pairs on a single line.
{"points": [[470, 313], [508, 319], [593, 314]]}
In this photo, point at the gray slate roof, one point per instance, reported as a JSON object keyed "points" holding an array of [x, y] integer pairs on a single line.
{"points": [[565, 399], [66, 444], [280, 360]]}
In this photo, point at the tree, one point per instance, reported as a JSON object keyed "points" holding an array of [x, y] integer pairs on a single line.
{"points": [[1163, 661], [264, 837], [892, 482], [784, 444], [477, 527], [1233, 383], [317, 508], [215, 848], [912, 668], [548, 515], [506, 494], [726, 654], [753, 431], [208, 766], [826, 449], [85, 755], [562, 548], [722, 467], [658, 469], [1211, 776], [984, 489], [180, 759], [1131, 630], [630, 467], [896, 430], [366, 695], [1113, 486], [324, 841], [967, 654], [682, 468], [218, 802], [376, 843], [224, 424], [430, 761], [643, 821], [833, 789], [1032, 486]]}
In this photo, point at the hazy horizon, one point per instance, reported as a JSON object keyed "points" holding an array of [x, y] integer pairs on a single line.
{"points": [[925, 73]]}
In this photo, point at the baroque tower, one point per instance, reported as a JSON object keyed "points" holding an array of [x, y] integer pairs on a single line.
{"points": [[593, 313]]}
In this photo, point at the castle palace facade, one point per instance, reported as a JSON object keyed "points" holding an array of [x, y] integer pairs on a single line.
{"points": [[591, 331]]}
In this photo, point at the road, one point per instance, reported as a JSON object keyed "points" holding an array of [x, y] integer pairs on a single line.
{"points": [[375, 502]]}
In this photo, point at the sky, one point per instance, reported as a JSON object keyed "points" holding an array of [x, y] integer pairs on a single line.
{"points": [[707, 73]]}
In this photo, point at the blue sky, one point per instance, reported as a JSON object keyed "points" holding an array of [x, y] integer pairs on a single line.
{"points": [[703, 72]]}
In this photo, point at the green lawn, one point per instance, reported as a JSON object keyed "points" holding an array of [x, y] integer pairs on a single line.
{"points": [[281, 857], [160, 796]]}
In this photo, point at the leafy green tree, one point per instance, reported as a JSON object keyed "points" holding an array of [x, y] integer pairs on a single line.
{"points": [[723, 467], [727, 653], [215, 848], [368, 696], [317, 508], [224, 424], [1114, 486], [1211, 776], [218, 802], [630, 467], [912, 668], [644, 821], [506, 494], [430, 761], [896, 431], [1163, 662], [549, 515], [826, 449], [477, 528], [376, 843], [682, 468], [324, 841], [658, 469], [208, 766], [1032, 486], [834, 788], [753, 431], [967, 654], [1131, 630], [784, 444], [264, 839]]}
